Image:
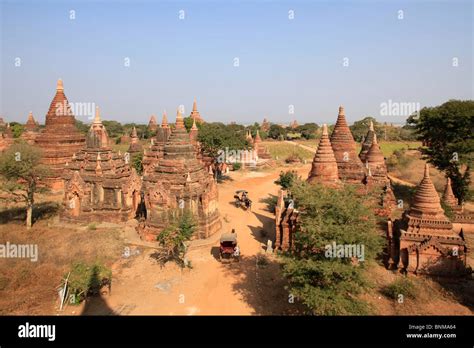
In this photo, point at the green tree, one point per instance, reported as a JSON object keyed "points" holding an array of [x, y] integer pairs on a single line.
{"points": [[114, 128], [287, 179], [277, 132], [447, 131], [360, 128], [329, 285], [21, 172], [137, 162], [174, 237], [308, 130], [216, 137], [17, 129], [83, 128]]}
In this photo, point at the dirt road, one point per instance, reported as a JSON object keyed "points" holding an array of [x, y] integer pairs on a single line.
{"points": [[252, 286]]}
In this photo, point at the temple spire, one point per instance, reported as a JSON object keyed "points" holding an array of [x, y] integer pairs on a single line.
{"points": [[59, 85], [448, 196], [164, 121], [179, 120], [371, 127], [97, 115], [426, 201], [324, 167]]}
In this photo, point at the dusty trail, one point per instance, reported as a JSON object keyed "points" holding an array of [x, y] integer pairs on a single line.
{"points": [[140, 286]]}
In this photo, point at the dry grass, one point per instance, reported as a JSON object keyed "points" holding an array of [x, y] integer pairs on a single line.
{"points": [[282, 150], [30, 287]]}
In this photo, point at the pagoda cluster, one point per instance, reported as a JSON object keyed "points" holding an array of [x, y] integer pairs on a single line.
{"points": [[100, 184], [424, 240], [336, 160]]}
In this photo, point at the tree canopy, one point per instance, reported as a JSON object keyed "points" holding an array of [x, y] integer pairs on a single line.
{"points": [[215, 137], [447, 131], [330, 285]]}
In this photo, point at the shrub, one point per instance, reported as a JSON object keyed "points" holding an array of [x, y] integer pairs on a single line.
{"points": [[401, 286], [236, 166], [87, 279], [172, 239], [286, 179], [330, 285]]}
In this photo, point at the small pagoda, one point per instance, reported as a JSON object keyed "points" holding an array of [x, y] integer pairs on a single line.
{"points": [[349, 165], [265, 125], [157, 146], [31, 130], [60, 138], [6, 138], [367, 143], [462, 219], [99, 183], [195, 113], [135, 146], [179, 182], [423, 240], [152, 124], [375, 164], [324, 168]]}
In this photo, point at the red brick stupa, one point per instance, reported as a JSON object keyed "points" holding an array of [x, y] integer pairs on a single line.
{"points": [[6, 138], [152, 124], [31, 130], [99, 184], [375, 163], [157, 146], [60, 138], [367, 142], [135, 146], [349, 165], [195, 113], [324, 168], [424, 241], [179, 182], [265, 125]]}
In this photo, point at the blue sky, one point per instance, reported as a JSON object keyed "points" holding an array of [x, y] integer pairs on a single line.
{"points": [[283, 62]]}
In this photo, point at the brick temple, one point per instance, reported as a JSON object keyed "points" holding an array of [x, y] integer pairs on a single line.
{"points": [[135, 146], [31, 130], [179, 182], [265, 125], [60, 138], [324, 167], [196, 116], [155, 152], [367, 143], [375, 165], [99, 183], [152, 124], [349, 165], [463, 219], [6, 138], [423, 240]]}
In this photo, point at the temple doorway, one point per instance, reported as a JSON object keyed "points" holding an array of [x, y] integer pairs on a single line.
{"points": [[75, 204]]}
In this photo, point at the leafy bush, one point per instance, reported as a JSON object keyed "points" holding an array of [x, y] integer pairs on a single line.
{"points": [[236, 165], [401, 286], [286, 179], [137, 163], [172, 239], [330, 285], [87, 279]]}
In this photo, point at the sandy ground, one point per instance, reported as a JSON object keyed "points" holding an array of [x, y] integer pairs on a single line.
{"points": [[141, 286]]}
